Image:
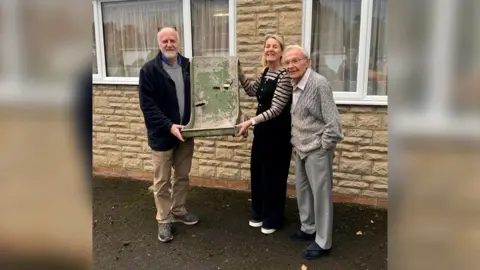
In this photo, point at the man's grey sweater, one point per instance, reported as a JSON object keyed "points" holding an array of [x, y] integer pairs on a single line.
{"points": [[316, 121], [175, 72]]}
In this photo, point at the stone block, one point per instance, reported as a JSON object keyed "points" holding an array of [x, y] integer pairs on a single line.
{"points": [[380, 187], [291, 22], [228, 173], [132, 95], [241, 159], [369, 121], [223, 153], [113, 93], [101, 102], [248, 2], [290, 7], [246, 28], [204, 155], [346, 147], [267, 23], [200, 142], [117, 124], [379, 149], [99, 161], [117, 105], [347, 191], [364, 133], [109, 147], [380, 168], [103, 111], [100, 129], [380, 137], [120, 130], [229, 164], [352, 155], [253, 9], [292, 39], [206, 149], [118, 99], [245, 175], [231, 145], [376, 194], [134, 119], [107, 138], [126, 137], [132, 163], [129, 143], [385, 121], [269, 15], [348, 120], [375, 179], [352, 184], [266, 31], [132, 106], [347, 176], [373, 156], [249, 48], [114, 118], [98, 119], [209, 162], [129, 155], [357, 140], [362, 109], [206, 171], [136, 149], [276, 2], [246, 17], [355, 166]]}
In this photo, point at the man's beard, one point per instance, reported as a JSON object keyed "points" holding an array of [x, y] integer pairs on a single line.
{"points": [[170, 55]]}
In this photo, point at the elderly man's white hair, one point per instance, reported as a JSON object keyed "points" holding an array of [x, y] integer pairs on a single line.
{"points": [[296, 46]]}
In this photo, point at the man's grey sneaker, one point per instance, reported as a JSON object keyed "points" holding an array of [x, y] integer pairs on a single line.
{"points": [[165, 232], [188, 219]]}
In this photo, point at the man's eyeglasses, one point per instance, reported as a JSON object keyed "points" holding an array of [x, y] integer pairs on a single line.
{"points": [[293, 61]]}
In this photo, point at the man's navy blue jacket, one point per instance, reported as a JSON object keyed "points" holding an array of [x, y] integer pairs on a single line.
{"points": [[159, 103]]}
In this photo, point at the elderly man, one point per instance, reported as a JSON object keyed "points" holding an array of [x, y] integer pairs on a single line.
{"points": [[316, 129], [164, 92]]}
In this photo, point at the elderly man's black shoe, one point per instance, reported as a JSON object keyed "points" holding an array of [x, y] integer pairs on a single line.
{"points": [[299, 235], [314, 251]]}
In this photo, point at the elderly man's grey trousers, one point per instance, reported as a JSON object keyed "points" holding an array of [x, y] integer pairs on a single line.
{"points": [[314, 195]]}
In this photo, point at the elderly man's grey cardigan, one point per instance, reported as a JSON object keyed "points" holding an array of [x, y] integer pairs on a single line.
{"points": [[315, 118]]}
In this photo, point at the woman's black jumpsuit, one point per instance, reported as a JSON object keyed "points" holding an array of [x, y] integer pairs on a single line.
{"points": [[270, 159]]}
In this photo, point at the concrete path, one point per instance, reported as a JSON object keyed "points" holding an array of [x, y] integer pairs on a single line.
{"points": [[124, 234]]}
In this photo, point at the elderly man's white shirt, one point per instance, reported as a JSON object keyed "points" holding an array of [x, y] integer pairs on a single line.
{"points": [[297, 89]]}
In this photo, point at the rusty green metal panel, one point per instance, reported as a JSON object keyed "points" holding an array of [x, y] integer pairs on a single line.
{"points": [[215, 106]]}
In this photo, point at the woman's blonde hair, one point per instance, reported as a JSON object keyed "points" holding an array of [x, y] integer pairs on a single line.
{"points": [[279, 39]]}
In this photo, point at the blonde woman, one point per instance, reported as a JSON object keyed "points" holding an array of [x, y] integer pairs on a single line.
{"points": [[271, 149]]}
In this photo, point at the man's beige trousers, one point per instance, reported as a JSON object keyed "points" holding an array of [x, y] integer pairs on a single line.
{"points": [[170, 194]]}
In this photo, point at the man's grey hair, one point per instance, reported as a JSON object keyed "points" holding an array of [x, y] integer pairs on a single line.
{"points": [[296, 46], [174, 28]]}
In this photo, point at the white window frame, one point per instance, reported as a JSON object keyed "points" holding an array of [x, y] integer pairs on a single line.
{"points": [[359, 97], [101, 77], [96, 76]]}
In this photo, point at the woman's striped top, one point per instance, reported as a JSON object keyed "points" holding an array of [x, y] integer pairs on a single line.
{"points": [[281, 96]]}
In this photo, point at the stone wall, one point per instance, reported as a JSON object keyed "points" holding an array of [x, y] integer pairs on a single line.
{"points": [[360, 166]]}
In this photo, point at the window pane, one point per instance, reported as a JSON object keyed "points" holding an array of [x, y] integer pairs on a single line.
{"points": [[335, 42], [130, 32], [377, 68], [210, 27]]}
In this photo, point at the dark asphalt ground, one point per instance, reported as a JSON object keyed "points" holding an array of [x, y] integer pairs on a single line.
{"points": [[124, 233]]}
